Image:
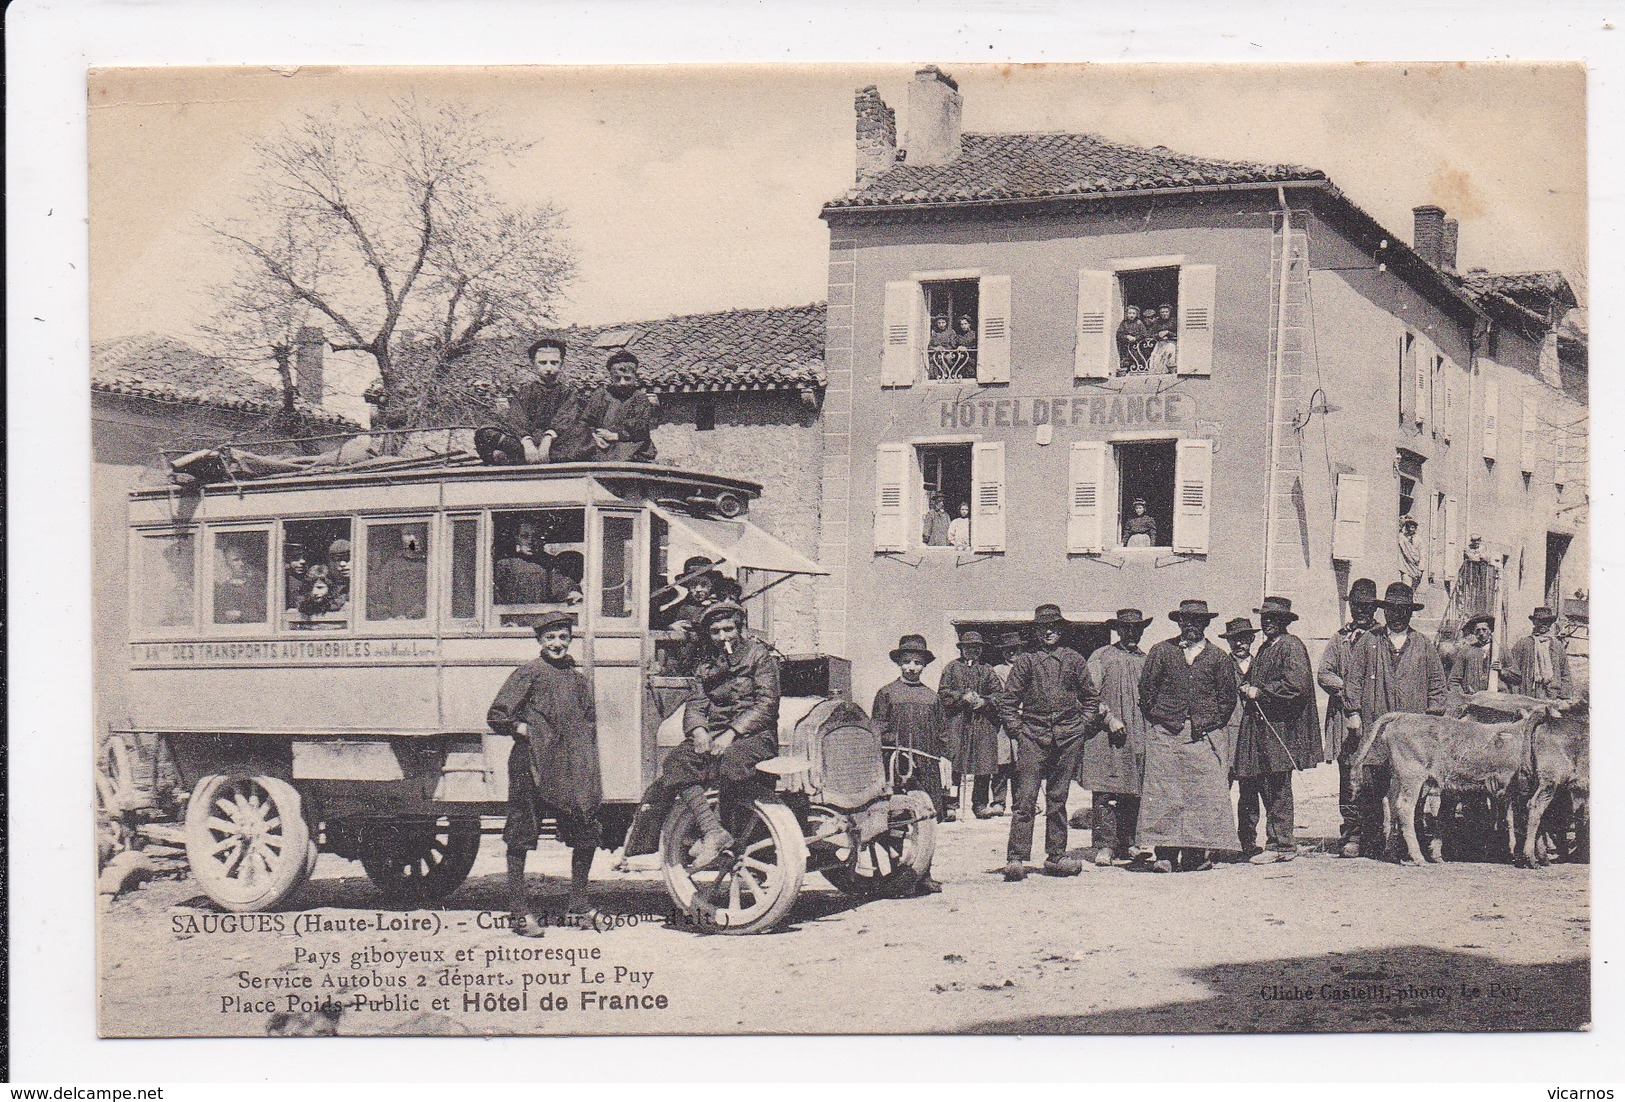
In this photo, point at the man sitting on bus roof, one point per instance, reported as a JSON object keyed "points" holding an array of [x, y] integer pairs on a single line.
{"points": [[618, 418], [542, 412]]}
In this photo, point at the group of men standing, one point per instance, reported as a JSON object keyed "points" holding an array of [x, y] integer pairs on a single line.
{"points": [[550, 421]]}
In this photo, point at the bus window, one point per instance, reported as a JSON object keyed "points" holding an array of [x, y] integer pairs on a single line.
{"points": [[465, 549], [538, 562], [316, 574], [164, 570], [620, 567], [240, 591], [398, 571]]}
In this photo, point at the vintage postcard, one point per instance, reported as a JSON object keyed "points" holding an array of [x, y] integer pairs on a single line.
{"points": [[933, 548]]}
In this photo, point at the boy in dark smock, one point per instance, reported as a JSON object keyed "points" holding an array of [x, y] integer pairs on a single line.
{"points": [[546, 707], [618, 418], [969, 691], [909, 715]]}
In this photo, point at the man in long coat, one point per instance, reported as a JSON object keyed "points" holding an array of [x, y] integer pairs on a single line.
{"points": [[1050, 704], [1188, 693], [969, 692], [1114, 756], [617, 418], [1280, 733], [1393, 669], [1538, 664], [546, 707], [1332, 676], [1470, 666]]}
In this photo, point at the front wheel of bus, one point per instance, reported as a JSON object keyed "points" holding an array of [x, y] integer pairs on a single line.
{"points": [[748, 890], [247, 840], [419, 862]]}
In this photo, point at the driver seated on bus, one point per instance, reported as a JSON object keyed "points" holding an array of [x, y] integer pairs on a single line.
{"points": [[731, 723]]}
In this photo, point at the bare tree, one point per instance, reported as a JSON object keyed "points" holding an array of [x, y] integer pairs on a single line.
{"points": [[385, 226]]}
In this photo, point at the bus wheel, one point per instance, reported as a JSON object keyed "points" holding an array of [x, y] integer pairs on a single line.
{"points": [[747, 891], [247, 840], [419, 862], [892, 863]]}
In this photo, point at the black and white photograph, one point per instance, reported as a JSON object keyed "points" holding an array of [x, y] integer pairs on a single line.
{"points": [[902, 548]]}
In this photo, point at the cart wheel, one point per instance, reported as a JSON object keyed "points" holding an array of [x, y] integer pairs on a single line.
{"points": [[115, 789], [247, 840], [419, 862], [891, 864], [754, 892]]}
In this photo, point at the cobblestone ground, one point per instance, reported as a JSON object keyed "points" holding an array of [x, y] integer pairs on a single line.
{"points": [[1319, 943]]}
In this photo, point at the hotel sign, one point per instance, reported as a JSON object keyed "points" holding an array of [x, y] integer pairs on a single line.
{"points": [[1107, 411]]}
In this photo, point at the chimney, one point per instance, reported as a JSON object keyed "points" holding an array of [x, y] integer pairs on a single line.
{"points": [[877, 135], [1447, 244], [1429, 236], [934, 105], [308, 352]]}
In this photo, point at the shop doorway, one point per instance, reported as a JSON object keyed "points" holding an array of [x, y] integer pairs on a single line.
{"points": [[1557, 549]]}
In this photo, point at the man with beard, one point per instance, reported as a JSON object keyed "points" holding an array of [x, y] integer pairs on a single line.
{"points": [[1393, 669], [1280, 733], [1114, 759], [1188, 693], [618, 417], [1538, 664], [1332, 675]]}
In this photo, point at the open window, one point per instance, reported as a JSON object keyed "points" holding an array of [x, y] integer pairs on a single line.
{"points": [[945, 493], [165, 576], [950, 329], [1155, 319], [397, 578], [316, 574], [1148, 331], [538, 562], [953, 313], [241, 595], [1145, 493]]}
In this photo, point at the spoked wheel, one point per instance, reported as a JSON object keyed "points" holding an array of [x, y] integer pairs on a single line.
{"points": [[115, 795], [247, 840], [892, 863], [419, 862], [747, 891]]}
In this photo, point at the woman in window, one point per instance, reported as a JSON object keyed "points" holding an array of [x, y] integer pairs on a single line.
{"points": [[1140, 530]]}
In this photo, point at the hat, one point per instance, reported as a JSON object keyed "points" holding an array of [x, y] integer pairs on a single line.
{"points": [[547, 621], [1363, 592], [721, 608], [696, 567], [971, 637], [1047, 614], [1543, 614], [339, 546], [1408, 520], [1192, 610], [1399, 595], [912, 644], [1276, 606], [1010, 639], [1129, 618], [1138, 501], [1476, 620], [1237, 627]]}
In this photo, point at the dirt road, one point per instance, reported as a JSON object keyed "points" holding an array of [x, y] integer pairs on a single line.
{"points": [[1319, 943]]}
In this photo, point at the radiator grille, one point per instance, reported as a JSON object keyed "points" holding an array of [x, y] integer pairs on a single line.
{"points": [[850, 766]]}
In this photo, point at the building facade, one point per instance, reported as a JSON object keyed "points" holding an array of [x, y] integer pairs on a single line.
{"points": [[1276, 419]]}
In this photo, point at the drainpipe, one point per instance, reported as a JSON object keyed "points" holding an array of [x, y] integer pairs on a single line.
{"points": [[1275, 381]]}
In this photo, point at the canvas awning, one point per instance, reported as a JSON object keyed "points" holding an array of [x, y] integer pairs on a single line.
{"points": [[739, 543]]}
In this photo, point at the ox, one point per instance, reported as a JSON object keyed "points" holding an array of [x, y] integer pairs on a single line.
{"points": [[1461, 756], [1560, 767]]}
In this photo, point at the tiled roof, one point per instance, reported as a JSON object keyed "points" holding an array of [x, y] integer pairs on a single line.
{"points": [[1532, 292], [781, 348], [1044, 166], [164, 369]]}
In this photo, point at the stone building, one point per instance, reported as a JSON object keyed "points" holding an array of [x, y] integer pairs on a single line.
{"points": [[1316, 377]]}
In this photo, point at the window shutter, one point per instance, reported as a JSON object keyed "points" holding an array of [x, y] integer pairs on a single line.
{"points": [[891, 498], [1426, 358], [1447, 416], [1348, 529], [900, 354], [1531, 429], [1193, 480], [1407, 376], [1095, 356], [1560, 457], [1452, 537], [987, 510], [993, 353], [1492, 417], [1085, 522], [1196, 303]]}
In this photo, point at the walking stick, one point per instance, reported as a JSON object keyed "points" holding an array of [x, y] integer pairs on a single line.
{"points": [[1285, 748]]}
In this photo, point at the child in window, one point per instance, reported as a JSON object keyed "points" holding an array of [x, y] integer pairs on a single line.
{"points": [[959, 528]]}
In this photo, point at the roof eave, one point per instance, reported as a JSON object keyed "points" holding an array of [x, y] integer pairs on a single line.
{"points": [[836, 208]]}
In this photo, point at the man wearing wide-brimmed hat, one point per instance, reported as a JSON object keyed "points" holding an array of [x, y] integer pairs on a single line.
{"points": [[1538, 664], [1114, 755], [1280, 733], [969, 692], [1470, 665], [1394, 669], [1188, 693], [1335, 742], [1050, 705]]}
